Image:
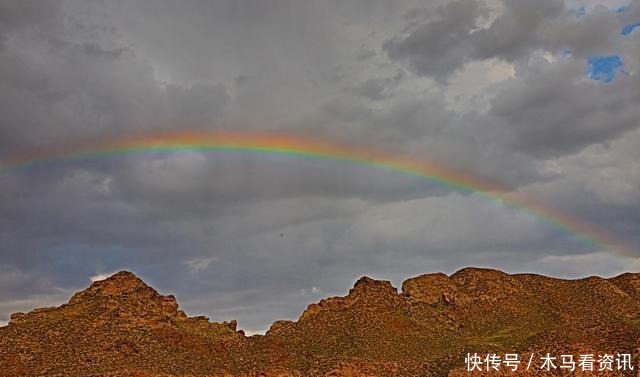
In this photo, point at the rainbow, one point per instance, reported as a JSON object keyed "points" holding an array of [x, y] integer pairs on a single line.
{"points": [[290, 145]]}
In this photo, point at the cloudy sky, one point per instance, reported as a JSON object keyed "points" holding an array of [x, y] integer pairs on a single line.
{"points": [[541, 96]]}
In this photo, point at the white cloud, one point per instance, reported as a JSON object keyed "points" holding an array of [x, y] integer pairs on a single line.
{"points": [[255, 332], [101, 276], [469, 89], [200, 264]]}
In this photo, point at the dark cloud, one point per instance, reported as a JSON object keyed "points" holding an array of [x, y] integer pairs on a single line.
{"points": [[498, 89], [27, 16], [452, 34], [377, 89], [442, 43], [372, 89], [196, 104], [555, 111], [364, 53], [517, 31]]}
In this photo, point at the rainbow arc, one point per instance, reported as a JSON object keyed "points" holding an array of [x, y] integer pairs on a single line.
{"points": [[290, 145]]}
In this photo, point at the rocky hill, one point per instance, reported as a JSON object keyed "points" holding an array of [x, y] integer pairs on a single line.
{"points": [[122, 327]]}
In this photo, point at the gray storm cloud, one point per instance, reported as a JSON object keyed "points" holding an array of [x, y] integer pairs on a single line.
{"points": [[498, 88]]}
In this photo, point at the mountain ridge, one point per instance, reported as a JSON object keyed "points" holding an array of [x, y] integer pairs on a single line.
{"points": [[122, 325]]}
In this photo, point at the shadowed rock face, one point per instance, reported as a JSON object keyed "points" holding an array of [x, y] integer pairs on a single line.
{"points": [[122, 327]]}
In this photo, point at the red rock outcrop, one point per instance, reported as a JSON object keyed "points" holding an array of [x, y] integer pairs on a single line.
{"points": [[122, 327]]}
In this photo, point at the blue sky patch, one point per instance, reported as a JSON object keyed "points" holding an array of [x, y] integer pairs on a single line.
{"points": [[604, 68], [582, 11], [628, 29]]}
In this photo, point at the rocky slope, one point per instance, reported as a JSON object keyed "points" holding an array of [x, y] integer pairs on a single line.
{"points": [[122, 327]]}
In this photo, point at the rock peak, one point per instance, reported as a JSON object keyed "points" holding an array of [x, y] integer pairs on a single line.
{"points": [[124, 274], [123, 283], [478, 271], [367, 284], [365, 280]]}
